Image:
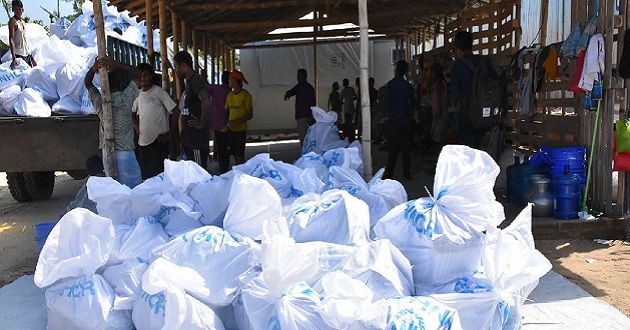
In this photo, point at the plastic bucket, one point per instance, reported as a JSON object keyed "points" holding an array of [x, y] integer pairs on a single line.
{"points": [[41, 233]]}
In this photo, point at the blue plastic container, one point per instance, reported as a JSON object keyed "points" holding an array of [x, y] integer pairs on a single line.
{"points": [[42, 231], [567, 194], [518, 181]]}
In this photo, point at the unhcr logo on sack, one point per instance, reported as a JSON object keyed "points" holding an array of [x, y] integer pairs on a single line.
{"points": [[77, 290], [338, 60], [156, 302], [418, 219]]}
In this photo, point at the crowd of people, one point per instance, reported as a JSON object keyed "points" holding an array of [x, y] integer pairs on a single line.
{"points": [[149, 125]]}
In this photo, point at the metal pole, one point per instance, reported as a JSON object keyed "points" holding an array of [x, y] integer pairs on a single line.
{"points": [[106, 96], [365, 92]]}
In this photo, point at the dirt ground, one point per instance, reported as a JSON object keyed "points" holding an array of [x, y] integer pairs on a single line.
{"points": [[600, 269]]}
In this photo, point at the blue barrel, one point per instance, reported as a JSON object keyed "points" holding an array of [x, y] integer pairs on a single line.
{"points": [[573, 157], [41, 233], [567, 195]]}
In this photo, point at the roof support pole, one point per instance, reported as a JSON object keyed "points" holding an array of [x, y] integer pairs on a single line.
{"points": [[149, 23], [107, 117], [205, 54], [365, 91], [195, 47], [163, 47], [184, 35], [234, 58], [175, 27], [213, 61], [315, 76]]}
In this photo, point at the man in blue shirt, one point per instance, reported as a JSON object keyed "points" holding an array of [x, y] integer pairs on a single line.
{"points": [[461, 87], [400, 103], [304, 99]]}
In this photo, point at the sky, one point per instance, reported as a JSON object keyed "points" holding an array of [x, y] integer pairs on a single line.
{"points": [[33, 10]]}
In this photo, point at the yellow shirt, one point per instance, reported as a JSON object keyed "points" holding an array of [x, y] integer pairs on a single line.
{"points": [[237, 104]]}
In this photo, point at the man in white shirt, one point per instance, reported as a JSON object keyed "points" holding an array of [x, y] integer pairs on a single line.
{"points": [[152, 109]]}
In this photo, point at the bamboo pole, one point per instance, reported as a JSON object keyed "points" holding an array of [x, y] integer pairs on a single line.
{"points": [[163, 47], [175, 26], [149, 23], [315, 76], [106, 96], [365, 91], [195, 51]]}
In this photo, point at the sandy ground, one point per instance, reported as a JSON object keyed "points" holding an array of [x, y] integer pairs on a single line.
{"points": [[605, 278], [600, 269]]}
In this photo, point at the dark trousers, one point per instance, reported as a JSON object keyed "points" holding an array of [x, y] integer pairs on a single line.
{"points": [[221, 151], [199, 156], [152, 158], [399, 140]]}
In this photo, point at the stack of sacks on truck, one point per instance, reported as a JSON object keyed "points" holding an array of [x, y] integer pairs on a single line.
{"points": [[63, 58], [271, 245]]}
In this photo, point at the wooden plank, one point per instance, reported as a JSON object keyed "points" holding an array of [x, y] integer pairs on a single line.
{"points": [[262, 5], [149, 32], [175, 26]]}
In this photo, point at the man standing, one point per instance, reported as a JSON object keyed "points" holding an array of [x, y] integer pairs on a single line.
{"points": [[194, 116], [18, 41], [304, 99], [239, 108], [462, 84], [128, 169], [152, 109], [348, 96], [400, 103], [219, 93]]}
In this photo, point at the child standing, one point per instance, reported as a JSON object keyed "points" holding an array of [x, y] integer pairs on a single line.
{"points": [[334, 101]]}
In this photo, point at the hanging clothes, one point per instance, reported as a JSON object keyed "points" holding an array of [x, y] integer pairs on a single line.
{"points": [[624, 62], [579, 66], [570, 46], [527, 103], [588, 33], [539, 74], [551, 64], [593, 63]]}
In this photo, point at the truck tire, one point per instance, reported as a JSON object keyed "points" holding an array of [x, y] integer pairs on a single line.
{"points": [[78, 174], [15, 180], [39, 185]]}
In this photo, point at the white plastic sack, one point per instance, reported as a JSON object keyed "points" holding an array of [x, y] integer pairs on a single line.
{"points": [[324, 134], [8, 97], [345, 299], [315, 162], [78, 245], [278, 298], [304, 182], [145, 197], [84, 303], [184, 173], [275, 172], [379, 265], [87, 108], [442, 236], [477, 310], [181, 311], [125, 279], [148, 311], [351, 181], [42, 82], [513, 264], [217, 256], [334, 217], [9, 77], [31, 104], [392, 191], [138, 240], [66, 105], [177, 221], [213, 198], [252, 202], [70, 81], [349, 157], [53, 54], [408, 313], [113, 199], [79, 27]]}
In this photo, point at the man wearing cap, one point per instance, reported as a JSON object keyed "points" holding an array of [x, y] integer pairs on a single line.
{"points": [[238, 106], [195, 113], [304, 99]]}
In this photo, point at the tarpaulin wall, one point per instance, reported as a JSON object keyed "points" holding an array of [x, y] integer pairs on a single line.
{"points": [[273, 71]]}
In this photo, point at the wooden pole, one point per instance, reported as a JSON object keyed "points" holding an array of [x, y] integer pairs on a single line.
{"points": [[234, 59], [175, 26], [163, 47], [195, 47], [149, 23], [184, 35], [365, 92], [315, 75], [106, 96], [205, 54], [213, 60], [544, 10]]}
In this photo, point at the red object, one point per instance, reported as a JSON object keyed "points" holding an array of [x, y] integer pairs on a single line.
{"points": [[622, 159], [579, 67]]}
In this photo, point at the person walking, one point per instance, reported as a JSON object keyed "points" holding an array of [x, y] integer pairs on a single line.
{"points": [[400, 102], [304, 99]]}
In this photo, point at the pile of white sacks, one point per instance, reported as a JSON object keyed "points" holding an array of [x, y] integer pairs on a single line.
{"points": [[271, 245], [63, 59]]}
